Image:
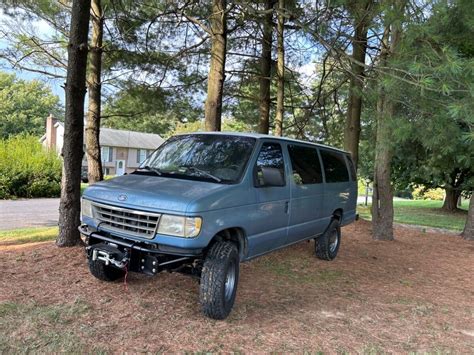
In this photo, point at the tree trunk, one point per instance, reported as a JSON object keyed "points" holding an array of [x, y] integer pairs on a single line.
{"points": [[382, 200], [280, 109], [451, 199], [468, 232], [70, 204], [215, 84], [354, 108], [266, 69], [94, 162]]}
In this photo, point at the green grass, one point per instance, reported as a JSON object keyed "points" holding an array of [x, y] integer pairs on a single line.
{"points": [[41, 328], [423, 213], [83, 187], [28, 235]]}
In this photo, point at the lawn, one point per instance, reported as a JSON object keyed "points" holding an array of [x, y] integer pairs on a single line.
{"points": [[28, 235], [424, 213]]}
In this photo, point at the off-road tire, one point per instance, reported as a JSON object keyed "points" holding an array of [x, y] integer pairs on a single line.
{"points": [[324, 248], [221, 259], [104, 272]]}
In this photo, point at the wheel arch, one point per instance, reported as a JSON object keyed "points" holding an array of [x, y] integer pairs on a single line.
{"points": [[233, 234], [337, 214]]}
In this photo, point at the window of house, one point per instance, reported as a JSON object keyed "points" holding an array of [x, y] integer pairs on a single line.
{"points": [[335, 168], [270, 156], [305, 165], [106, 171], [142, 154], [106, 154]]}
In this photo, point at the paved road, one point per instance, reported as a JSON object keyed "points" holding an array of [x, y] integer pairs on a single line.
{"points": [[38, 212]]}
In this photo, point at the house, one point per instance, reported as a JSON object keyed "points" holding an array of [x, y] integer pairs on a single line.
{"points": [[121, 151]]}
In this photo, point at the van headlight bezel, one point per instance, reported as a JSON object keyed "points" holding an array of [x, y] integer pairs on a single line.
{"points": [[179, 226]]}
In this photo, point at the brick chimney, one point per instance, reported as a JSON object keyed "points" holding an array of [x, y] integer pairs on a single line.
{"points": [[50, 132]]}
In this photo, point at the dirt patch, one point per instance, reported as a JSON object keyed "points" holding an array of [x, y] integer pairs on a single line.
{"points": [[413, 294]]}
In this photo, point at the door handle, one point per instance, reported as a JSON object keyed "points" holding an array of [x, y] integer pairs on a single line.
{"points": [[287, 207]]}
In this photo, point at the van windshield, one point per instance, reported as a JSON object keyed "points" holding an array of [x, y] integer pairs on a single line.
{"points": [[209, 157]]}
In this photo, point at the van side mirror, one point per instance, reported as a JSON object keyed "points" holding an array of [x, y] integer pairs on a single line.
{"points": [[267, 176]]}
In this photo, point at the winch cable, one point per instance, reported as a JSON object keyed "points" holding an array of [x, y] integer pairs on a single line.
{"points": [[125, 278], [126, 267]]}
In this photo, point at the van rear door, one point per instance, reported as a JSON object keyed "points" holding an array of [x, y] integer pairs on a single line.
{"points": [[306, 184], [338, 189]]}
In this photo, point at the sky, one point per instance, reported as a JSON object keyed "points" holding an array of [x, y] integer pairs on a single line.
{"points": [[42, 29]]}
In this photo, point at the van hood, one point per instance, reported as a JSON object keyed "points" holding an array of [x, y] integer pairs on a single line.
{"points": [[155, 193]]}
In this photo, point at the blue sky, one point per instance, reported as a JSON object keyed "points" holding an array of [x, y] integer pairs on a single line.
{"points": [[41, 28]]}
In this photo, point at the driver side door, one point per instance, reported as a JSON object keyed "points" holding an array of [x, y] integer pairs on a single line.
{"points": [[272, 214]]}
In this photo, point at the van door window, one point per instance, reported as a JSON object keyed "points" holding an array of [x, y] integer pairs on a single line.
{"points": [[270, 156], [305, 165], [335, 168]]}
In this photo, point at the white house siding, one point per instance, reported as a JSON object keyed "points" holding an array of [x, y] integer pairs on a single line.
{"points": [[132, 158], [124, 144]]}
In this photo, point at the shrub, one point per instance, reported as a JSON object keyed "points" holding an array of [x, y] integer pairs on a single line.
{"points": [[423, 193], [27, 169]]}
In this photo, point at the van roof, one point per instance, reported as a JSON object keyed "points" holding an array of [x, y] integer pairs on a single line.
{"points": [[267, 136]]}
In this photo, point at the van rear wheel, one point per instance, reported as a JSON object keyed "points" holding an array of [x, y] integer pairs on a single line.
{"points": [[219, 278], [327, 245]]}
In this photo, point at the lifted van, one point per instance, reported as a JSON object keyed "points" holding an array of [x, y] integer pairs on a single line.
{"points": [[204, 202]]}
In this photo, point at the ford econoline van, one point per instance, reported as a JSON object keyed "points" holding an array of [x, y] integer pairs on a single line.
{"points": [[202, 203]]}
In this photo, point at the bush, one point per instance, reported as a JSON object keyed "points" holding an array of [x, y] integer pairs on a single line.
{"points": [[423, 193], [27, 169]]}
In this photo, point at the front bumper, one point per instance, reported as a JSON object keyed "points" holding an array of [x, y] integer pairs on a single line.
{"points": [[93, 236], [147, 258]]}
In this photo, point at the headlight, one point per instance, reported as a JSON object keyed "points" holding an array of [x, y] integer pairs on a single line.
{"points": [[178, 226], [86, 208]]}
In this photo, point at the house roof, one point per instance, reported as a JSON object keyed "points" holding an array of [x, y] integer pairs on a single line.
{"points": [[129, 139], [120, 138]]}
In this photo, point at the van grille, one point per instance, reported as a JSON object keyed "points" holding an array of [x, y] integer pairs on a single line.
{"points": [[136, 223]]}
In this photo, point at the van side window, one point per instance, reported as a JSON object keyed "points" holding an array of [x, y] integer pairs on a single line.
{"points": [[351, 168], [305, 164], [270, 156], [335, 168]]}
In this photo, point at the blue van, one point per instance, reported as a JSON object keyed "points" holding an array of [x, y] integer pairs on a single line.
{"points": [[204, 202]]}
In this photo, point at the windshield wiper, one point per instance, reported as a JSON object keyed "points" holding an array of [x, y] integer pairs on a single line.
{"points": [[202, 172], [150, 168]]}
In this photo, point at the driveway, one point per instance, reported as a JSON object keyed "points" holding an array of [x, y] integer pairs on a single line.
{"points": [[38, 212]]}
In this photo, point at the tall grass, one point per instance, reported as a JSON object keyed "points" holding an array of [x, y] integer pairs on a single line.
{"points": [[27, 169]]}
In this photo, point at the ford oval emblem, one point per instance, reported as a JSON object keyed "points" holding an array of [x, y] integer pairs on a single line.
{"points": [[122, 197]]}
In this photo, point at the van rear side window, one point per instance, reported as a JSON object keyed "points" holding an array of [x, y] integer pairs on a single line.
{"points": [[351, 168], [335, 168], [305, 164]]}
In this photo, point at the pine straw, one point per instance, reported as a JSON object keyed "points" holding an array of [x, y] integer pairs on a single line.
{"points": [[413, 294]]}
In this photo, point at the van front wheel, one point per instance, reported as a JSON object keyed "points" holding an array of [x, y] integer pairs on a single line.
{"points": [[104, 272], [219, 278], [327, 245]]}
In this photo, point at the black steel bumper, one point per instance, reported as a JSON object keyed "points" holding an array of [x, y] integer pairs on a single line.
{"points": [[136, 245]]}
